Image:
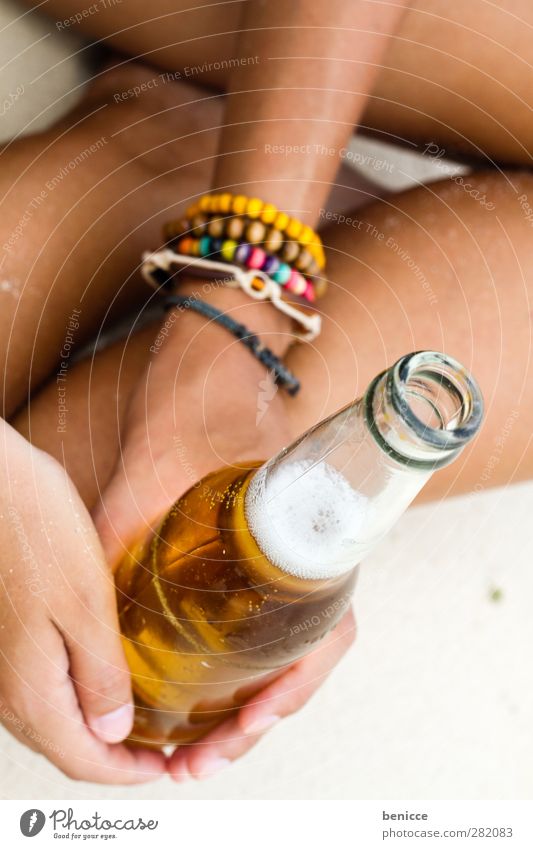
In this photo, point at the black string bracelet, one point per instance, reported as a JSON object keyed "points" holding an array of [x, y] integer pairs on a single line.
{"points": [[282, 375]]}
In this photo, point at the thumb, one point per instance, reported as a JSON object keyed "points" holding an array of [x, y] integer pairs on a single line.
{"points": [[117, 519], [132, 505], [98, 667]]}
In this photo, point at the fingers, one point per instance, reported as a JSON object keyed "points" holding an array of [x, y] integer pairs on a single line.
{"points": [[286, 695], [213, 753], [64, 681], [137, 496], [98, 667], [118, 516], [49, 718], [85, 613], [94, 699], [103, 685]]}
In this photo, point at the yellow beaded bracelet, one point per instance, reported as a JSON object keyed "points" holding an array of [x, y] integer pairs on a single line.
{"points": [[226, 203]]}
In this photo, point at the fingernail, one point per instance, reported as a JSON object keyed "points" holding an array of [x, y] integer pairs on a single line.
{"points": [[112, 727], [262, 723], [180, 777], [211, 766], [178, 770]]}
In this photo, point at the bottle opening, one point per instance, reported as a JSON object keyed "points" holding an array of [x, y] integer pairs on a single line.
{"points": [[437, 397], [425, 408]]}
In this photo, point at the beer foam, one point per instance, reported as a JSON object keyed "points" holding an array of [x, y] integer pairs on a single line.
{"points": [[305, 518]]}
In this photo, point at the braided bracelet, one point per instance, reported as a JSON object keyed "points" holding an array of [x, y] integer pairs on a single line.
{"points": [[281, 373], [159, 268]]}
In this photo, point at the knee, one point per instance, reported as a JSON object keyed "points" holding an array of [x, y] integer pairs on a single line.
{"points": [[437, 225]]}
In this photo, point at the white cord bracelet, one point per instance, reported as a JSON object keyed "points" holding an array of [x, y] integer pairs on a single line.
{"points": [[236, 278]]}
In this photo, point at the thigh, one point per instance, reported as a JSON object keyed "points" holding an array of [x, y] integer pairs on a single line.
{"points": [[460, 73], [447, 267], [79, 205], [80, 422], [456, 72], [193, 37]]}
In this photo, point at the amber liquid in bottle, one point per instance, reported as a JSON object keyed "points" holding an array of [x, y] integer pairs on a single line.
{"points": [[253, 566], [209, 619]]}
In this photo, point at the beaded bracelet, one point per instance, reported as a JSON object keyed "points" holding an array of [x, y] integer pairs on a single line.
{"points": [[256, 209], [242, 229], [281, 373], [252, 257], [204, 233]]}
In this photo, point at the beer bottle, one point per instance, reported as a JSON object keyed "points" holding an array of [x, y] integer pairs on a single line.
{"points": [[254, 565]]}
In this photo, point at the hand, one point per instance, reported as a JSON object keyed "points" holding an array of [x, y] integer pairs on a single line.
{"points": [[285, 696], [64, 684], [196, 410], [203, 402]]}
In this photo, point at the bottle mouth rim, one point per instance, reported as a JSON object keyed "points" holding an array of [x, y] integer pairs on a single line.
{"points": [[449, 373]]}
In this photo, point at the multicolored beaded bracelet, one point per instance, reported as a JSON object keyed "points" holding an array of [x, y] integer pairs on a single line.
{"points": [[252, 257], [292, 229], [282, 227], [240, 228]]}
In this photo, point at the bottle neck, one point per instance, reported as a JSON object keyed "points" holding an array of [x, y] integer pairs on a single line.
{"points": [[423, 410], [327, 499]]}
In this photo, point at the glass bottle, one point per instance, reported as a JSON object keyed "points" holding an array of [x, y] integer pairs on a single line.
{"points": [[254, 565]]}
